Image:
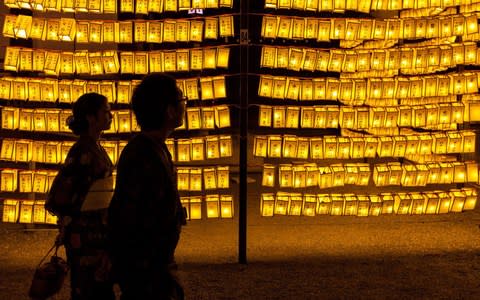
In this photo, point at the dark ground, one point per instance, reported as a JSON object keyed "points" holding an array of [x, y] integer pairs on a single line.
{"points": [[322, 257]]}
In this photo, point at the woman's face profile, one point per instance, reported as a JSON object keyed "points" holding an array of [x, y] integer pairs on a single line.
{"points": [[103, 118]]}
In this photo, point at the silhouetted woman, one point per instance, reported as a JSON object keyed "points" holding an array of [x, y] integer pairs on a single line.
{"points": [[83, 231]]}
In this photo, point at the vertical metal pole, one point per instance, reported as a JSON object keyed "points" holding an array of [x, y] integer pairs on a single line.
{"points": [[242, 225]]}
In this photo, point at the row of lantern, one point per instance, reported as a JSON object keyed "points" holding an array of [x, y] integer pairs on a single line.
{"points": [[363, 5], [358, 29], [394, 173], [331, 116], [68, 91], [338, 147], [26, 181], [54, 120], [110, 6], [415, 203], [26, 211], [33, 211], [362, 60], [52, 62], [105, 31], [359, 90], [188, 179], [54, 152]]}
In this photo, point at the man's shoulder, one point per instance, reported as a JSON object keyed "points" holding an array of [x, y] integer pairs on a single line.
{"points": [[138, 146]]}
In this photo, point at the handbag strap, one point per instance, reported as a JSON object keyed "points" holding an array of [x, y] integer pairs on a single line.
{"points": [[46, 255], [56, 245]]}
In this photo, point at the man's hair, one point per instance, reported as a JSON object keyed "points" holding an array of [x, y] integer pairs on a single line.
{"points": [[151, 99]]}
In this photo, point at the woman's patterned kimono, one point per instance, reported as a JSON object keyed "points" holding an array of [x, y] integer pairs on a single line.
{"points": [[84, 233]]}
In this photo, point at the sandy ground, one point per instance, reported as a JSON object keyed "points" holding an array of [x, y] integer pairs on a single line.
{"points": [[322, 257]]}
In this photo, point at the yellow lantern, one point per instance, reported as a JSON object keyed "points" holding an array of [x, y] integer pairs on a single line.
{"points": [[196, 208], [194, 118], [170, 143], [196, 31], [212, 145], [403, 203], [324, 28], [8, 180], [459, 172], [25, 119], [39, 212], [311, 175], [296, 204], [195, 179], [183, 149], [282, 201], [9, 24], [324, 204], [183, 179], [198, 149], [357, 147], [292, 117], [285, 175], [371, 146], [269, 27], [444, 202], [471, 199], [307, 117], [375, 205], [25, 60], [225, 146], [182, 60], [39, 121], [209, 58], [226, 206], [25, 181], [309, 205], [208, 117], [363, 205], [326, 177], [387, 201], [40, 182], [418, 203], [316, 148], [290, 146], [38, 151], [447, 172], [5, 87], [422, 175], [11, 59], [268, 176], [299, 176], [395, 173], [267, 204], [226, 25], [458, 200], [381, 175], [468, 141], [471, 171], [26, 211], [10, 211], [22, 27], [211, 28], [223, 177], [206, 87], [124, 90], [260, 146], [431, 202], [338, 173], [338, 204], [10, 118], [351, 205]]}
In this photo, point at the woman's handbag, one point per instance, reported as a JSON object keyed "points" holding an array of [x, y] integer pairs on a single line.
{"points": [[48, 277]]}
